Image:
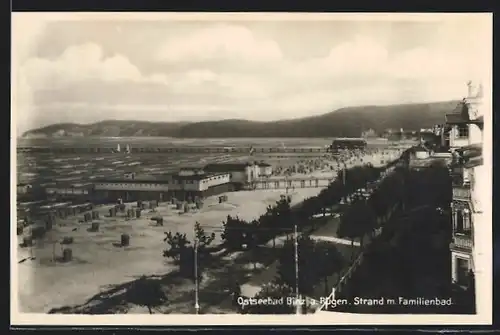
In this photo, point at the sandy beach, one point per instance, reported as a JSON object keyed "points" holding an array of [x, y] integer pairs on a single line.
{"points": [[98, 263]]}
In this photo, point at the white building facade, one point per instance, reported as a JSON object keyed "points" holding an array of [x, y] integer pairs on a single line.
{"points": [[467, 171]]}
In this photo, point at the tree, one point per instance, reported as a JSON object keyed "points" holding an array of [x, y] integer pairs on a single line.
{"points": [[176, 243], [307, 268], [233, 234], [331, 261], [146, 292], [350, 226], [367, 219], [202, 239], [277, 292]]}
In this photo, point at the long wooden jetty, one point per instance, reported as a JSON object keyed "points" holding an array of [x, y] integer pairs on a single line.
{"points": [[185, 149]]}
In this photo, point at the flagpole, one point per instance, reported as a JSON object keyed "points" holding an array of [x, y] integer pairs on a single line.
{"points": [[296, 271]]}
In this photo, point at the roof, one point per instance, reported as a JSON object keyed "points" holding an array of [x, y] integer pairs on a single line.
{"points": [[459, 115], [198, 176], [453, 118], [479, 121], [225, 167], [262, 164], [159, 179], [191, 168], [349, 140]]}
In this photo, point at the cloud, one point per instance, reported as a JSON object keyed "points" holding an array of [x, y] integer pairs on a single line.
{"points": [[25, 33], [84, 62], [365, 59], [234, 71], [220, 42]]}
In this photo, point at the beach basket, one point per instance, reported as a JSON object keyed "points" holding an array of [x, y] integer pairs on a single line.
{"points": [[125, 240], [67, 255], [95, 226]]}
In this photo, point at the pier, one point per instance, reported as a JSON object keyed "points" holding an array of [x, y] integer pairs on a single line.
{"points": [[163, 150]]}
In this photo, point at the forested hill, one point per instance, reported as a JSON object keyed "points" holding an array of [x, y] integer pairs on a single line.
{"points": [[344, 122]]}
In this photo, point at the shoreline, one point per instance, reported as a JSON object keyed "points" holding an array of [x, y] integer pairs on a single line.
{"points": [[144, 255]]}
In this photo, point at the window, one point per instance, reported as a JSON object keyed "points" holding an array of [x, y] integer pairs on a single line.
{"points": [[462, 222], [276, 184], [462, 271], [463, 131], [302, 183]]}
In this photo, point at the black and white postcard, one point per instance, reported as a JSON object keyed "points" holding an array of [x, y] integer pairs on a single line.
{"points": [[272, 169]]}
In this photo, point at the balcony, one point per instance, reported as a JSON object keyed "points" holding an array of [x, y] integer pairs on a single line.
{"points": [[463, 241], [461, 193]]}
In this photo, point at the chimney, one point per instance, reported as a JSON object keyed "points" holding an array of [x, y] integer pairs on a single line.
{"points": [[469, 89]]}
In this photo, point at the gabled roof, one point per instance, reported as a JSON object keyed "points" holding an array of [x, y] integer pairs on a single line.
{"points": [[454, 118], [459, 115]]}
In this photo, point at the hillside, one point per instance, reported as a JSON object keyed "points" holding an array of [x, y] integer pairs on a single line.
{"points": [[344, 122]]}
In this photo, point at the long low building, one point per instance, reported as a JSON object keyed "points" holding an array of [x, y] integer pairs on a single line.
{"points": [[182, 185], [189, 182]]}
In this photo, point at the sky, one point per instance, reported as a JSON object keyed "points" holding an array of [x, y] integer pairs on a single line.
{"points": [[86, 68]]}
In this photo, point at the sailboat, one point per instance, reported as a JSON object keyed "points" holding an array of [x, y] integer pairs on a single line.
{"points": [[127, 149], [117, 150]]}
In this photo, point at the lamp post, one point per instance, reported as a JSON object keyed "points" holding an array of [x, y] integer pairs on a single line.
{"points": [[297, 270], [196, 303], [218, 229]]}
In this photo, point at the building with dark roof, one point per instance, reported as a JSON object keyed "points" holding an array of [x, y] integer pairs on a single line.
{"points": [[464, 125], [242, 173], [465, 131], [265, 169], [181, 185]]}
